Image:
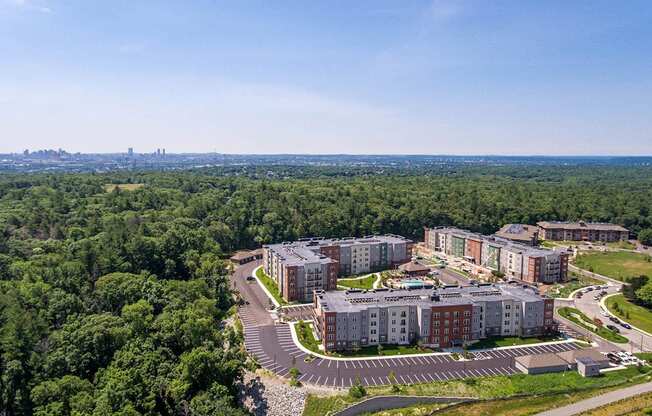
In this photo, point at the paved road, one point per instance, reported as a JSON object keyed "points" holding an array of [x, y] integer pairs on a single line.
{"points": [[598, 401], [272, 345], [638, 341]]}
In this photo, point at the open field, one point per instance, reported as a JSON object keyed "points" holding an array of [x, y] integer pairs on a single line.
{"points": [[632, 406], [568, 383], [584, 321], [636, 315], [269, 283], [123, 186], [363, 283], [509, 341], [616, 264]]}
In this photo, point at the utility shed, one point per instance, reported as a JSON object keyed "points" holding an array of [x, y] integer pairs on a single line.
{"points": [[587, 367], [572, 357], [540, 363]]}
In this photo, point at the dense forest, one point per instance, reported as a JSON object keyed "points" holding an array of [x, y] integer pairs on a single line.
{"points": [[118, 302]]}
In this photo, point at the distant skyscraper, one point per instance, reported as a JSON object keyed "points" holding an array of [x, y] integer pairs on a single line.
{"points": [[26, 152], [158, 152], [130, 151], [163, 152]]}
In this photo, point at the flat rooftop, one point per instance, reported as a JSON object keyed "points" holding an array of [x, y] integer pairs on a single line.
{"points": [[567, 225], [357, 300]]}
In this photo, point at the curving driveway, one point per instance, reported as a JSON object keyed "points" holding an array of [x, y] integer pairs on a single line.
{"points": [[272, 345]]}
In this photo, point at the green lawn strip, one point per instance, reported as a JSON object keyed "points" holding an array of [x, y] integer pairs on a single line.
{"points": [[569, 382], [577, 281], [639, 316], [269, 283], [619, 265], [575, 315], [307, 339], [494, 342], [364, 283]]}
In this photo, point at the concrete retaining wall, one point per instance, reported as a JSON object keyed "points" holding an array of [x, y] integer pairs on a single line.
{"points": [[378, 403]]}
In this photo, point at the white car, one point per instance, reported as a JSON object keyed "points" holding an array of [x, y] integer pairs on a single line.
{"points": [[604, 313]]}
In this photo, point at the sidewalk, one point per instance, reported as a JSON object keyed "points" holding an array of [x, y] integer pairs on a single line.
{"points": [[599, 401]]}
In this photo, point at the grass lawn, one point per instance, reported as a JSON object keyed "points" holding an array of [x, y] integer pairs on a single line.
{"points": [[637, 405], [123, 186], [636, 315], [509, 341], [307, 339], [562, 384], [269, 283], [363, 283], [616, 264], [584, 321], [621, 244], [577, 281]]}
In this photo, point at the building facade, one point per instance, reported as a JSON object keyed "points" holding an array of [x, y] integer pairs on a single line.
{"points": [[439, 318], [515, 260], [582, 231], [310, 264]]}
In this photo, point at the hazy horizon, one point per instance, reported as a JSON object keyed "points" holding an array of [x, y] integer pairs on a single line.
{"points": [[438, 77]]}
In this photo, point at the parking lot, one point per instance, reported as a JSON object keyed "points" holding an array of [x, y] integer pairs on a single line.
{"points": [[296, 312], [274, 349]]}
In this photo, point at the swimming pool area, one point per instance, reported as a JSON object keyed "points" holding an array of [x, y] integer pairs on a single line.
{"points": [[414, 284]]}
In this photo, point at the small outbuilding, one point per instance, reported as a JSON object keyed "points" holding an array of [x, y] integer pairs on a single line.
{"points": [[414, 268], [587, 367], [540, 363], [572, 357], [246, 256]]}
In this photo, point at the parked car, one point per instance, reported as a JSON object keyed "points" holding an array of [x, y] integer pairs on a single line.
{"points": [[625, 325], [613, 357], [614, 328], [597, 297], [603, 293], [614, 319], [588, 289], [579, 295], [250, 277]]}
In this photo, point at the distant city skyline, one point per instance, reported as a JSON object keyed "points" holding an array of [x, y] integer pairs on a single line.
{"points": [[438, 77]]}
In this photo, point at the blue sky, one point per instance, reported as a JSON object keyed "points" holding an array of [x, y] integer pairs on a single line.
{"points": [[417, 77]]}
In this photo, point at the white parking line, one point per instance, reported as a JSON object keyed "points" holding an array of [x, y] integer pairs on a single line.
{"points": [[311, 376], [459, 375], [317, 381], [381, 363], [329, 363], [451, 374], [374, 381], [326, 382], [403, 380]]}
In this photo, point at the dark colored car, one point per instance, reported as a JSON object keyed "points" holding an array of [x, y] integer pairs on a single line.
{"points": [[250, 277], [626, 325], [614, 328], [614, 319], [613, 357]]}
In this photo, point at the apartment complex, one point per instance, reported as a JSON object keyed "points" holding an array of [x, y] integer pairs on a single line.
{"points": [[582, 231], [439, 318], [309, 264], [515, 260], [520, 233]]}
